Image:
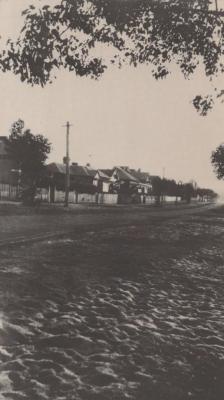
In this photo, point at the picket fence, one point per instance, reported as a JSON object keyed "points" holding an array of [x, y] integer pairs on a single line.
{"points": [[86, 198], [8, 192]]}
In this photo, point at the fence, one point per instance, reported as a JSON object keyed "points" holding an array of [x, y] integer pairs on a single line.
{"points": [[107, 198], [146, 199], [99, 198], [59, 196], [43, 194], [8, 192], [85, 198], [171, 199]]}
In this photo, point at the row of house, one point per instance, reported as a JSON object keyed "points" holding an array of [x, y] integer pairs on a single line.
{"points": [[120, 184], [127, 184]]}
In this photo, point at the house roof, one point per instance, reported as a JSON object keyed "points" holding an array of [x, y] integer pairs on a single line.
{"points": [[103, 175], [56, 168], [75, 170], [90, 171], [107, 172], [141, 176], [124, 175], [79, 170]]}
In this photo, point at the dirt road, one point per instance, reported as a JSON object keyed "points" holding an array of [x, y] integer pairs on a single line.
{"points": [[122, 312], [18, 225]]}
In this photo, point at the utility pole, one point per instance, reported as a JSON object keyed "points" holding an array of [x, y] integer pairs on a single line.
{"points": [[67, 163], [216, 5]]}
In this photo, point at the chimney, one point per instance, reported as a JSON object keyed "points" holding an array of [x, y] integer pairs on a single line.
{"points": [[75, 164], [88, 165]]}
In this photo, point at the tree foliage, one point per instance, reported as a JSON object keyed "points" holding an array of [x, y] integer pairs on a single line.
{"points": [[169, 187], [69, 36], [187, 191], [29, 153], [204, 192], [217, 159]]}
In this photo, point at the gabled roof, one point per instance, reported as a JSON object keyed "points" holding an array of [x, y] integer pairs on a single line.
{"points": [[141, 176], [90, 171], [108, 172], [79, 170], [124, 175], [56, 168], [103, 175], [75, 170]]}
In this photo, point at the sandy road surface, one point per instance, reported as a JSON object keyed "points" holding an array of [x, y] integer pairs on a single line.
{"points": [[122, 312], [19, 227]]}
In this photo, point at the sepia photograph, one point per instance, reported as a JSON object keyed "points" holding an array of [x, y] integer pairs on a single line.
{"points": [[111, 200]]}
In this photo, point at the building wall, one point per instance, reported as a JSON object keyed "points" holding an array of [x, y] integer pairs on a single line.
{"points": [[106, 187]]}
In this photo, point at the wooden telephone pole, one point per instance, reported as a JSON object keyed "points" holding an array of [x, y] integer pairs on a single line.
{"points": [[216, 5], [67, 163]]}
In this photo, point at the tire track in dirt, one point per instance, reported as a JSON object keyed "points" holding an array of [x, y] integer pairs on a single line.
{"points": [[103, 220]]}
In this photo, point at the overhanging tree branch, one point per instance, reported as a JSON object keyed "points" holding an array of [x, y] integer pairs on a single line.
{"points": [[140, 32]]}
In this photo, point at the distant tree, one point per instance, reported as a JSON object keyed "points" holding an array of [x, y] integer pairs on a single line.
{"points": [[188, 191], [157, 186], [206, 193], [217, 159], [169, 187], [185, 32], [29, 153]]}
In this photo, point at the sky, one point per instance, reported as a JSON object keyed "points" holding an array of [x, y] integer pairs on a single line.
{"points": [[124, 118]]}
